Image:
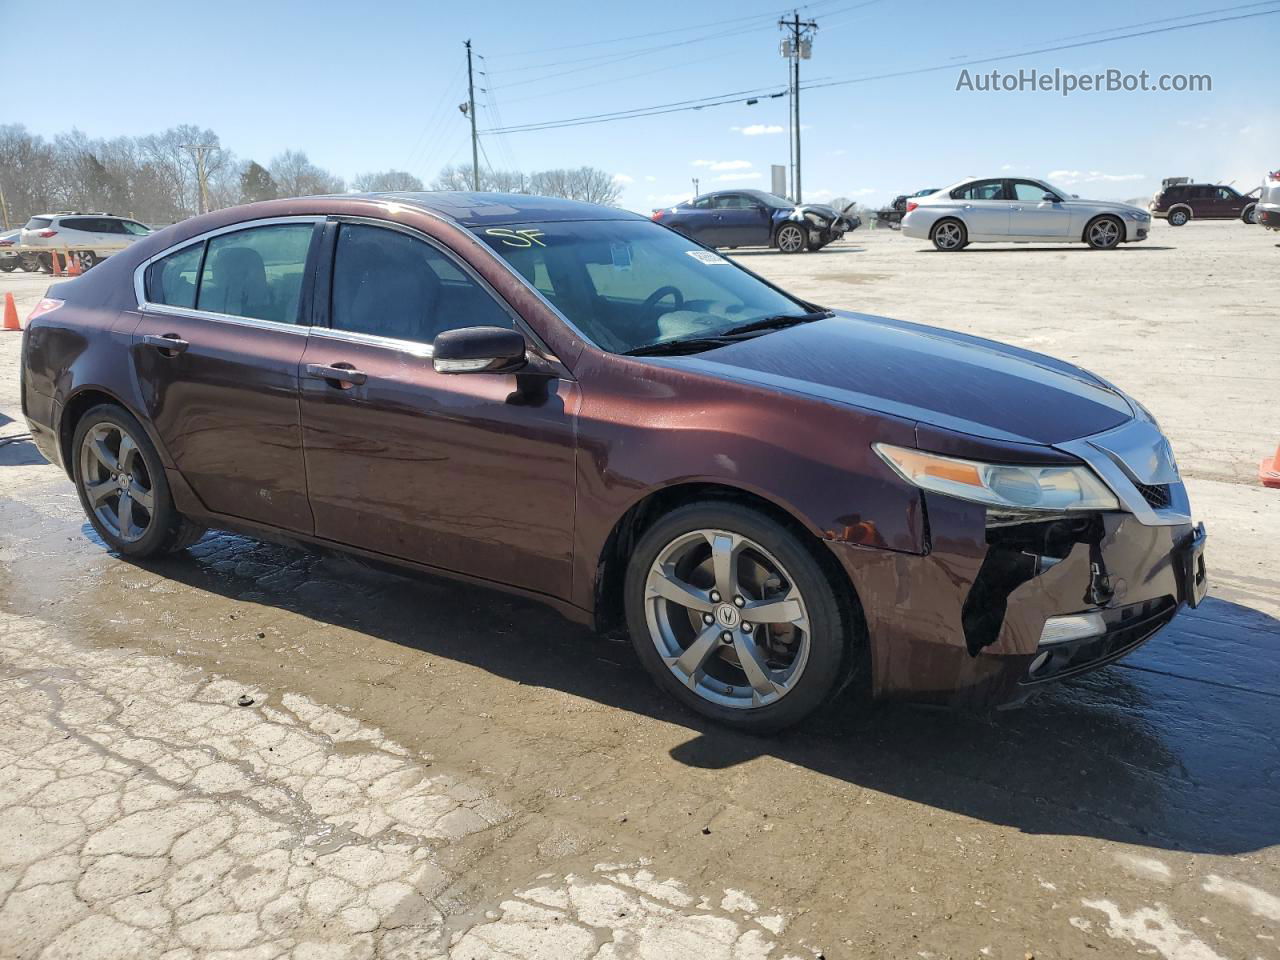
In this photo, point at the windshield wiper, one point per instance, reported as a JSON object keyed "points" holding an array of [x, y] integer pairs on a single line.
{"points": [[778, 321], [688, 345], [732, 335]]}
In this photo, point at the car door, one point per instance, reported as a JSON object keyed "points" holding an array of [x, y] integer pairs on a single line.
{"points": [[216, 358], [984, 207], [1032, 217], [696, 220], [1230, 203], [472, 473], [739, 221]]}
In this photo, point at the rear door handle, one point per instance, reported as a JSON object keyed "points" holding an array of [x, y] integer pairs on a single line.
{"points": [[335, 374], [169, 343]]}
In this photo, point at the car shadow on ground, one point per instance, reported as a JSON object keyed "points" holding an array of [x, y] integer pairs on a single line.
{"points": [[1053, 248], [770, 252], [1164, 750]]}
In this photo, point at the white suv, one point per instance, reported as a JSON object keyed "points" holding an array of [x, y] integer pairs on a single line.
{"points": [[93, 236]]}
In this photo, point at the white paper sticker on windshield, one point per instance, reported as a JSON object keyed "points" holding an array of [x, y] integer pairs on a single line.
{"points": [[706, 256]]}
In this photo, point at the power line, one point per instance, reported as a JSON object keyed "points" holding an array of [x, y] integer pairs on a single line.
{"points": [[762, 92]]}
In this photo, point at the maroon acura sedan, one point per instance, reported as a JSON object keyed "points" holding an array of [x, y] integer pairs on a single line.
{"points": [[576, 404]]}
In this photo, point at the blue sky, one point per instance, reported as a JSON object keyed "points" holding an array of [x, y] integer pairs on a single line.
{"points": [[377, 85]]}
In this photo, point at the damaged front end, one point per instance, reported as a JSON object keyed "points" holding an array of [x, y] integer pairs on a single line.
{"points": [[1006, 598]]}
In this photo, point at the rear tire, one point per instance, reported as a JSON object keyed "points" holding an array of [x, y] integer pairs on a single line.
{"points": [[1179, 217], [9, 266], [30, 263], [949, 235], [769, 674], [123, 488]]}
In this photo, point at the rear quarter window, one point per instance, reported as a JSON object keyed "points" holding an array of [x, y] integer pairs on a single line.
{"points": [[38, 223], [171, 280]]}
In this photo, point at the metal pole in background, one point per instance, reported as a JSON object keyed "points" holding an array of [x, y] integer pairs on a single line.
{"points": [[4, 209], [795, 49], [471, 112]]}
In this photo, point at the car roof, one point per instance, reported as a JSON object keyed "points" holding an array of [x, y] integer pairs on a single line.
{"points": [[481, 209]]}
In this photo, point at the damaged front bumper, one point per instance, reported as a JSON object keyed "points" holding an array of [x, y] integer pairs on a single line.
{"points": [[998, 605]]}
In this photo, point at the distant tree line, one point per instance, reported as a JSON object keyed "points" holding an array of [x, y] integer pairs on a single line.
{"points": [[152, 178]]}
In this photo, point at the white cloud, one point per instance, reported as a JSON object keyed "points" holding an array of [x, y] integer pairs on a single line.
{"points": [[862, 192], [1069, 177], [624, 178], [758, 129], [650, 179], [751, 175], [1006, 166], [723, 164]]}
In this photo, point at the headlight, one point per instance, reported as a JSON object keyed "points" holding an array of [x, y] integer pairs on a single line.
{"points": [[1053, 489], [1137, 215]]}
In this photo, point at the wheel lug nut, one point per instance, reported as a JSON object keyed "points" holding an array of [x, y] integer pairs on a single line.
{"points": [[708, 618], [726, 637], [738, 601], [715, 596], [746, 627]]}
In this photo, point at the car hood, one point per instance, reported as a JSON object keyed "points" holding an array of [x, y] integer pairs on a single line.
{"points": [[950, 380], [1108, 206]]}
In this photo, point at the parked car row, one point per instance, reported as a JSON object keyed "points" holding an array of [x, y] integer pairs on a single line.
{"points": [[94, 237], [753, 218]]}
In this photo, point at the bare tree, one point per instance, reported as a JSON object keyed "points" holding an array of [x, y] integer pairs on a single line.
{"points": [[297, 176], [387, 181], [500, 181], [27, 172], [589, 184]]}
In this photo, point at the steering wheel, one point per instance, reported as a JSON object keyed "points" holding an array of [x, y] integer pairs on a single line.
{"points": [[650, 304]]}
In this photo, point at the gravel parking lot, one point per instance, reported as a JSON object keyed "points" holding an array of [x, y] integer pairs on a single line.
{"points": [[425, 770]]}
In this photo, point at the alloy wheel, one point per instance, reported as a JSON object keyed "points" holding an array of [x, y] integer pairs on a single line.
{"points": [[790, 239], [727, 619], [116, 483], [1178, 218], [1104, 233], [948, 236]]}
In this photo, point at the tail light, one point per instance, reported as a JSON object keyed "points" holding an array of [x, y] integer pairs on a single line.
{"points": [[46, 305], [911, 205], [47, 233], [657, 214]]}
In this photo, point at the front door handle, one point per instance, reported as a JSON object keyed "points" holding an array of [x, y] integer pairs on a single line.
{"points": [[170, 343], [338, 374]]}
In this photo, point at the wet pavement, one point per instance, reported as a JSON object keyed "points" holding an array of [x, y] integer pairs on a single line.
{"points": [[427, 769]]}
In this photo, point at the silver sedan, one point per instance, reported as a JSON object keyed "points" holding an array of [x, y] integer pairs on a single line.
{"points": [[1020, 210]]}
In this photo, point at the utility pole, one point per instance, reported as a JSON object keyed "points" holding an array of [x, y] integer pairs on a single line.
{"points": [[199, 151], [4, 208], [471, 112], [695, 186], [797, 47]]}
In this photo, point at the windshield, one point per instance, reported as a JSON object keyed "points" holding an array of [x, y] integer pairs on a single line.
{"points": [[772, 200], [628, 284]]}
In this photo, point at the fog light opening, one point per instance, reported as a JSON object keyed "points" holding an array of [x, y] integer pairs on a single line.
{"points": [[1075, 626]]}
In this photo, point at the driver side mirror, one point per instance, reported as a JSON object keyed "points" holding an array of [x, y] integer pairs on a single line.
{"points": [[1051, 198], [479, 350]]}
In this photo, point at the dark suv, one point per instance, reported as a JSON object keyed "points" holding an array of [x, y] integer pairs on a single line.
{"points": [[1179, 200]]}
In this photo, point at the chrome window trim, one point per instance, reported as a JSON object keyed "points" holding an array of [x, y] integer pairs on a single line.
{"points": [[140, 274], [412, 347], [1094, 451]]}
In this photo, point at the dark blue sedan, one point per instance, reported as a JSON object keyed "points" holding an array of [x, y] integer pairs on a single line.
{"points": [[753, 218]]}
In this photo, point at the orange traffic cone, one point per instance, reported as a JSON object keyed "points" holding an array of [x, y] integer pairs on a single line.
{"points": [[55, 265], [1269, 470], [10, 313], [73, 264]]}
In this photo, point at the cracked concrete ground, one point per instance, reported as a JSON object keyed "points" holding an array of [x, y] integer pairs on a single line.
{"points": [[429, 770]]}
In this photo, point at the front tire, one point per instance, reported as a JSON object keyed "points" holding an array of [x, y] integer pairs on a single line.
{"points": [[122, 486], [949, 236], [1104, 233], [88, 259], [1250, 214], [789, 238], [732, 615], [9, 266]]}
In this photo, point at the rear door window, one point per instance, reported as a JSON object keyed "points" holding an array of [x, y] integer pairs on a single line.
{"points": [[390, 284], [171, 280], [79, 223], [256, 273], [981, 190]]}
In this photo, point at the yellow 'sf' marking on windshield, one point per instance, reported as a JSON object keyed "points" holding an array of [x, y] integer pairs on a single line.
{"points": [[516, 238]]}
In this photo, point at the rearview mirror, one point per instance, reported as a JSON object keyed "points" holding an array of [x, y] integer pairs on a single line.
{"points": [[479, 350]]}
